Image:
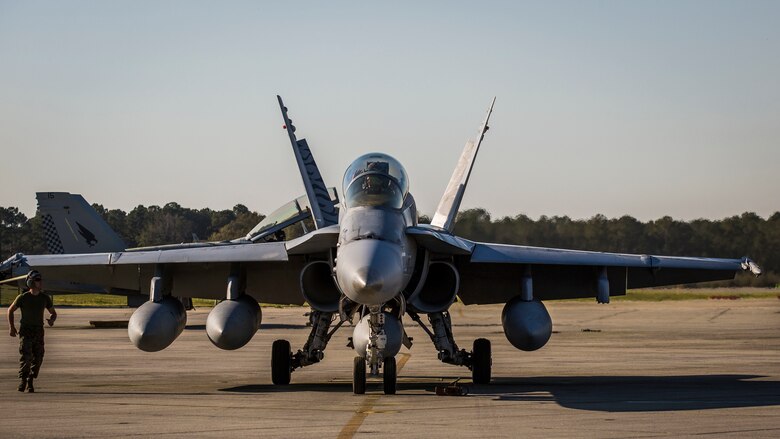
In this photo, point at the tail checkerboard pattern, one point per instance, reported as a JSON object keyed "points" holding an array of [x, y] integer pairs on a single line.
{"points": [[53, 243]]}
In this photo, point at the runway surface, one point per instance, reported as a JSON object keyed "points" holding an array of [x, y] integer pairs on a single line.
{"points": [[628, 369]]}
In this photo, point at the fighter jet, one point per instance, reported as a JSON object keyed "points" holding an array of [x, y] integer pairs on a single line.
{"points": [[368, 262]]}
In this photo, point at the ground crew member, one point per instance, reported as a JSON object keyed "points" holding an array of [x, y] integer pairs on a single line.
{"points": [[32, 303]]}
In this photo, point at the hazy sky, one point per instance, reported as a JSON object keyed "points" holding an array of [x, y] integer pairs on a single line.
{"points": [[614, 107]]}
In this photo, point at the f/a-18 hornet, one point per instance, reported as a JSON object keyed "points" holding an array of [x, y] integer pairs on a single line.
{"points": [[368, 262]]}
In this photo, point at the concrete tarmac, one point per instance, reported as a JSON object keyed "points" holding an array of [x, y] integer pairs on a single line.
{"points": [[628, 369]]}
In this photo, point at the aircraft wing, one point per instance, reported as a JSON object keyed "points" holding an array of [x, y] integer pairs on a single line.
{"points": [[274, 251], [272, 275], [494, 273]]}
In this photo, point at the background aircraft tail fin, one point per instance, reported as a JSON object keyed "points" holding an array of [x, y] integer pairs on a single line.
{"points": [[71, 225], [322, 209], [453, 195]]}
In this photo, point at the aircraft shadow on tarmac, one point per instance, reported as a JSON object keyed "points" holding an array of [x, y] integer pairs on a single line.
{"points": [[595, 393], [638, 393], [296, 387]]}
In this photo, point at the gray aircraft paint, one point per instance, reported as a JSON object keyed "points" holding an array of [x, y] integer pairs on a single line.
{"points": [[453, 195], [376, 244]]}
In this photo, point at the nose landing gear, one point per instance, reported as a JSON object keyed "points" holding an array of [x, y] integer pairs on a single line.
{"points": [[389, 375], [377, 338]]}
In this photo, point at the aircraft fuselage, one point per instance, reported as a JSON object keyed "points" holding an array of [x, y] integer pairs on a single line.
{"points": [[375, 258]]}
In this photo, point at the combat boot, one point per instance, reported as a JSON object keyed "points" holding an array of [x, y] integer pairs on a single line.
{"points": [[22, 385], [30, 387]]}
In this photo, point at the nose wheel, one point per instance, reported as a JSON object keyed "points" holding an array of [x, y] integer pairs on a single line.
{"points": [[481, 361], [359, 376], [281, 362], [389, 376]]}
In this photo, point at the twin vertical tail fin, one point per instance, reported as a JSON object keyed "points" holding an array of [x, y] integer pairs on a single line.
{"points": [[71, 225], [450, 202], [323, 211]]}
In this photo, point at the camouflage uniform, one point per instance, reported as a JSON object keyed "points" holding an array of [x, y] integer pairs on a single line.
{"points": [[31, 351]]}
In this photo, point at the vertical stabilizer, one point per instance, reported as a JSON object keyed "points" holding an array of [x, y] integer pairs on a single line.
{"points": [[71, 225], [453, 195], [323, 211]]}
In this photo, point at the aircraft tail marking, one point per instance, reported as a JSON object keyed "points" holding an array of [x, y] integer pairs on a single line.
{"points": [[327, 209], [322, 209], [453, 195], [53, 243], [71, 225]]}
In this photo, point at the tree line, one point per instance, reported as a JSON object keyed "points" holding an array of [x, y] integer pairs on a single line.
{"points": [[733, 237]]}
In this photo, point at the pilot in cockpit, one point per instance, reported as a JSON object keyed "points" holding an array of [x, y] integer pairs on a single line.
{"points": [[374, 185], [375, 180]]}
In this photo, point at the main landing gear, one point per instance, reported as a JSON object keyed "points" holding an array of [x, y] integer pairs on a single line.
{"points": [[479, 360], [283, 361]]}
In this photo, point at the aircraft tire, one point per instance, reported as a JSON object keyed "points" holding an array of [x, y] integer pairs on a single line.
{"points": [[390, 376], [359, 376], [281, 358], [481, 361]]}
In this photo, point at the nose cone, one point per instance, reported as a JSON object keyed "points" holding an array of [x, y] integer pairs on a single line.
{"points": [[370, 271]]}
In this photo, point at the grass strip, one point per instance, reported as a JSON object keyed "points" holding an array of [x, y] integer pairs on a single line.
{"points": [[672, 294], [7, 295]]}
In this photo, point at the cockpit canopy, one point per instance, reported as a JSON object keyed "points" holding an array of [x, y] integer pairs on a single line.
{"points": [[375, 179]]}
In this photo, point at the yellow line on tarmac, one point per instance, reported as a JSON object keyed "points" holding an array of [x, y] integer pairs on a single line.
{"points": [[362, 412]]}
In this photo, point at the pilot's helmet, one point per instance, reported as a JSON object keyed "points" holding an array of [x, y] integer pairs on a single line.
{"points": [[32, 277]]}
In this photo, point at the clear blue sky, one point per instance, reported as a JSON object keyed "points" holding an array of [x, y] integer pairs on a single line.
{"points": [[615, 107]]}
